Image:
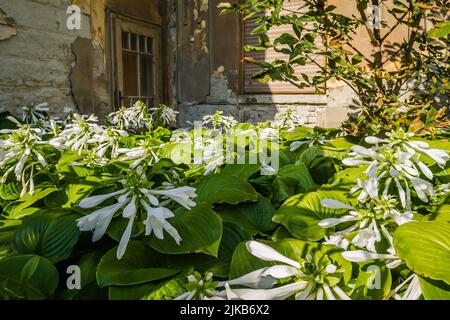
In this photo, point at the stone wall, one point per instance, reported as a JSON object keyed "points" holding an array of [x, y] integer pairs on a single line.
{"points": [[41, 60], [36, 54]]}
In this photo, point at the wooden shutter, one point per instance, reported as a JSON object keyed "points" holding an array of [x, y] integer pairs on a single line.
{"points": [[254, 86]]}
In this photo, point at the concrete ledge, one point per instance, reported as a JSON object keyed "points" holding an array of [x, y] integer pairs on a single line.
{"points": [[283, 99]]}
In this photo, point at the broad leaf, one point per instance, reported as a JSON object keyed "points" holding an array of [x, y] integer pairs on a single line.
{"points": [[16, 209], [51, 234], [28, 277], [199, 228], [302, 213], [220, 188], [434, 290], [255, 217], [425, 247], [291, 180], [140, 264]]}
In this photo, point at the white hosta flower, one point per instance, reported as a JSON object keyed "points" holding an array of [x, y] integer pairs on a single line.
{"points": [[20, 153], [134, 198], [392, 261], [337, 240], [208, 152], [413, 292], [267, 170], [139, 116], [288, 119], [164, 115], [33, 113], [403, 141], [314, 277], [219, 121], [79, 135], [199, 287], [205, 288], [144, 152], [269, 134], [313, 139], [365, 220], [156, 222], [181, 195], [108, 140], [393, 168], [119, 119]]}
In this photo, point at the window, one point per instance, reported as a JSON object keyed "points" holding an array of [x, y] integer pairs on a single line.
{"points": [[253, 86], [137, 63]]}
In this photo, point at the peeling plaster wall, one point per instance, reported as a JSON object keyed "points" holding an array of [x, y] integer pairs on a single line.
{"points": [[209, 66], [42, 60], [36, 58]]}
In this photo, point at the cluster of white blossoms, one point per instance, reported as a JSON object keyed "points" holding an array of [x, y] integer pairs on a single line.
{"points": [[219, 121], [311, 278], [209, 152], [134, 118], [21, 152], [136, 196], [164, 115], [141, 117], [143, 152], [396, 161], [313, 139], [33, 113], [366, 221], [288, 119], [392, 163]]}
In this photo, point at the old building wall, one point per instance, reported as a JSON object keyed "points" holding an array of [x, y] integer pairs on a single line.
{"points": [[209, 72], [41, 60], [36, 54]]}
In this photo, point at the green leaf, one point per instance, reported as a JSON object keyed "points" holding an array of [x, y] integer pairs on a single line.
{"points": [[244, 262], [291, 180], [166, 290], [51, 234], [131, 293], [10, 191], [140, 264], [219, 188], [310, 155], [425, 247], [243, 171], [442, 213], [434, 290], [302, 213], [374, 280], [440, 30], [18, 208], [255, 217], [199, 228], [28, 277]]}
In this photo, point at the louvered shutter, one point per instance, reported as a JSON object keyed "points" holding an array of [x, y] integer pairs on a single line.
{"points": [[254, 86]]}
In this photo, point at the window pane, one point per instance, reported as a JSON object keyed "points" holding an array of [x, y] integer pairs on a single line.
{"points": [[125, 40], [146, 74], [149, 45], [130, 77], [142, 44], [133, 41], [126, 102]]}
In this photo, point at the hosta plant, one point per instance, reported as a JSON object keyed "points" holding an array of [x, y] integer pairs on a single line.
{"points": [[146, 212]]}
